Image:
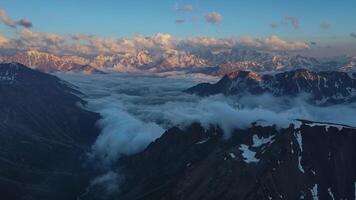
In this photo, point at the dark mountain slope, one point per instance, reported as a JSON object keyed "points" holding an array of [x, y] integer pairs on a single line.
{"points": [[43, 136], [314, 161]]}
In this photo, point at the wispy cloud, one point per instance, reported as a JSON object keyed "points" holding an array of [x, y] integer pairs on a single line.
{"points": [[313, 43], [4, 18], [214, 17], [274, 25], [325, 25], [184, 8], [179, 21], [292, 20]]}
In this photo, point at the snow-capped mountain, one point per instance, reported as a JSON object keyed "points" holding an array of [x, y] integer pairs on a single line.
{"points": [[51, 63], [211, 62], [327, 87]]}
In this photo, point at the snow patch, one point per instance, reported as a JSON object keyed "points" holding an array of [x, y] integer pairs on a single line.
{"points": [[232, 155], [314, 192], [258, 142], [203, 141], [298, 137], [331, 194], [248, 155], [327, 126]]}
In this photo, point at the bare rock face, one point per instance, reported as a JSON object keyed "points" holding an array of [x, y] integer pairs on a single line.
{"points": [[315, 160], [44, 135], [324, 87]]}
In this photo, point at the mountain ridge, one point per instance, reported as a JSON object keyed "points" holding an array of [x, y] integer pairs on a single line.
{"points": [[260, 162], [329, 87], [44, 136]]}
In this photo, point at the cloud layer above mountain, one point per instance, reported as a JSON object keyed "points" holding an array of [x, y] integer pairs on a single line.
{"points": [[26, 39]]}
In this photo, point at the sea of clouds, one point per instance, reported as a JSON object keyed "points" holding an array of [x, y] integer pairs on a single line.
{"points": [[137, 109]]}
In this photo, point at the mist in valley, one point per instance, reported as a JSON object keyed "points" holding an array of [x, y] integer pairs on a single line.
{"points": [[137, 109]]}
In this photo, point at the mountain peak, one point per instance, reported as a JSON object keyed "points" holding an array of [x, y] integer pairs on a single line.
{"points": [[244, 75], [304, 74]]}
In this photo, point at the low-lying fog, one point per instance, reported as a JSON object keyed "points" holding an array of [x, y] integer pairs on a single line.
{"points": [[137, 109]]}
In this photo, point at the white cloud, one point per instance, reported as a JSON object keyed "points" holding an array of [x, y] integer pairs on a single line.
{"points": [[3, 41], [79, 44], [214, 17]]}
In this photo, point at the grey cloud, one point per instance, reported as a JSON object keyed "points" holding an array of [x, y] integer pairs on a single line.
{"points": [[353, 35], [325, 25], [287, 20], [214, 17], [25, 23], [8, 21], [179, 21], [274, 25], [80, 36], [313, 43]]}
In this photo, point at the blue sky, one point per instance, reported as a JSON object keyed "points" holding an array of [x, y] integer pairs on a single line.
{"points": [[117, 18], [328, 23]]}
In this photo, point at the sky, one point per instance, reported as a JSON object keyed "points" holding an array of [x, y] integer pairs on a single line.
{"points": [[326, 23]]}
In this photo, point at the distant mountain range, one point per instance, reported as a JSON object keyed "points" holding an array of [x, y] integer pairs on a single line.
{"points": [[210, 62], [327, 87], [44, 136]]}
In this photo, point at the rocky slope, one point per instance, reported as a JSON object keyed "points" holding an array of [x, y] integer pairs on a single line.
{"points": [[44, 135], [323, 87], [313, 161]]}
